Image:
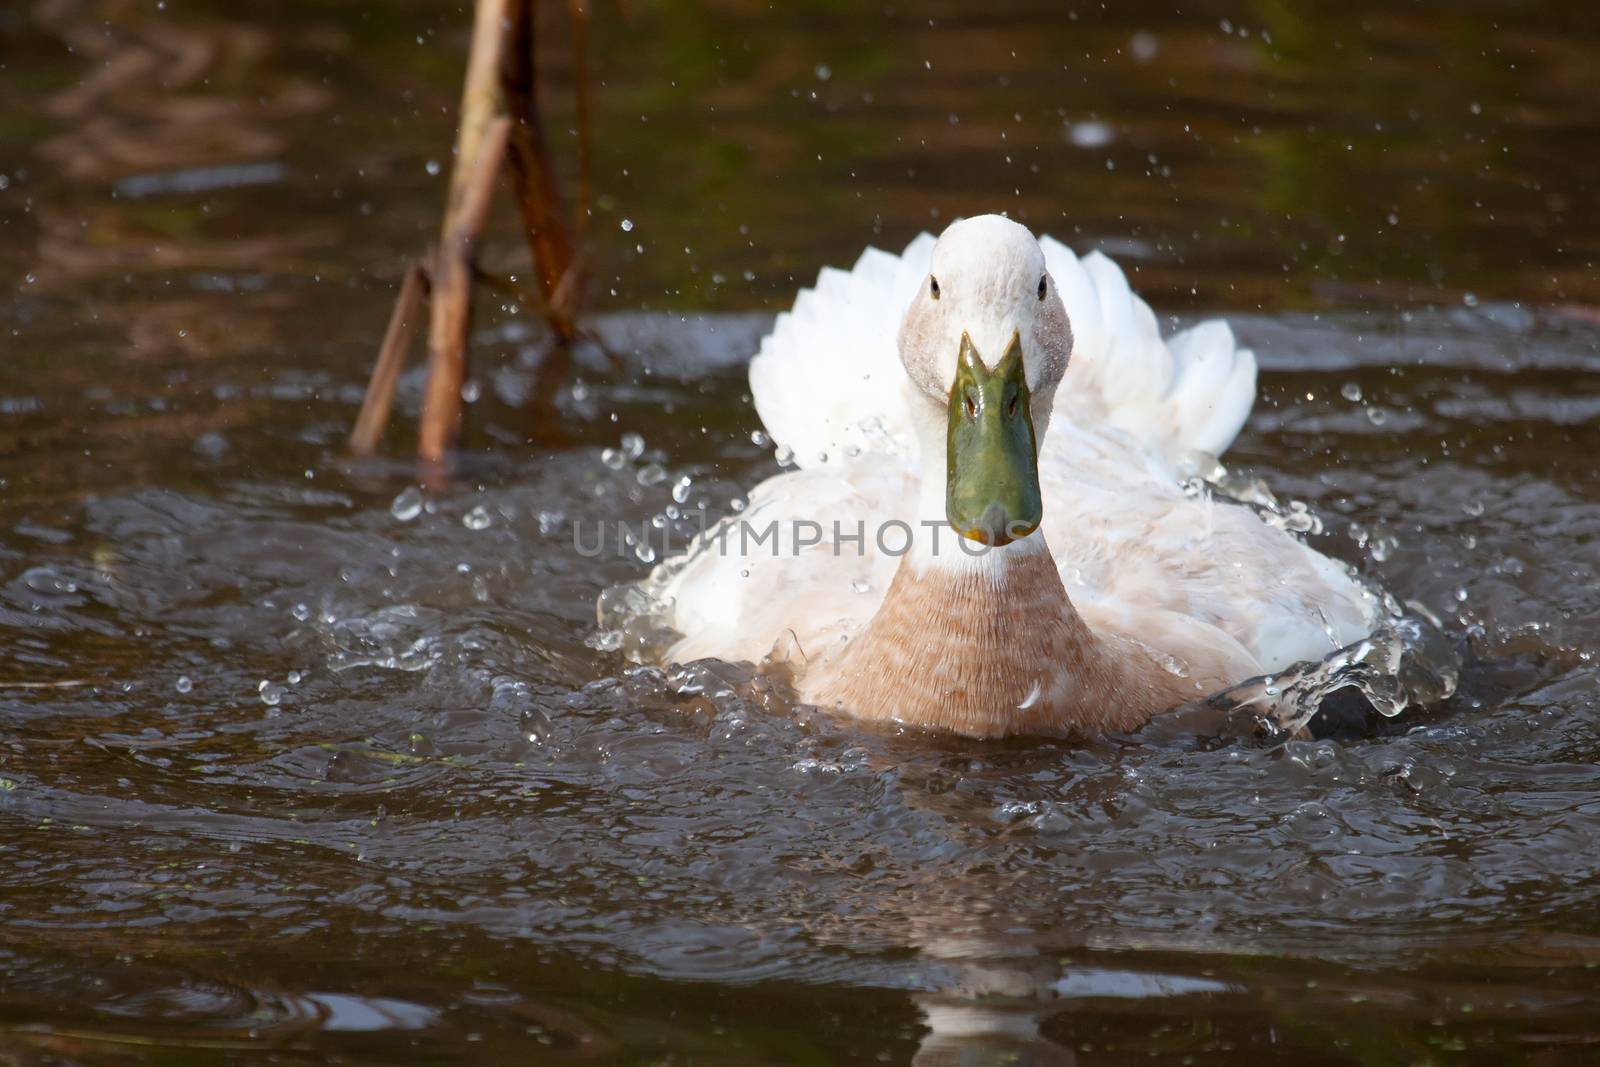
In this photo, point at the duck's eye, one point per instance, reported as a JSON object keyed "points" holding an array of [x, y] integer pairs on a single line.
{"points": [[1041, 286], [933, 286], [1011, 406], [972, 404]]}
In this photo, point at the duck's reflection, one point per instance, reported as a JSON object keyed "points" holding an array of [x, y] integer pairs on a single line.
{"points": [[989, 1031], [1009, 997], [1001, 990]]}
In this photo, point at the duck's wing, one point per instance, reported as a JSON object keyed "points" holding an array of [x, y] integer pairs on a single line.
{"points": [[1190, 393], [1132, 545], [1130, 414], [1130, 541], [800, 567], [827, 379], [828, 385]]}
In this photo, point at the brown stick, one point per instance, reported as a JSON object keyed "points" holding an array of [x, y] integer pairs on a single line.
{"points": [[451, 321], [501, 72], [471, 180], [391, 357], [549, 241]]}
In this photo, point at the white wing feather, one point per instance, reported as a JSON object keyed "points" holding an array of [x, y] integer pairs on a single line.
{"points": [[841, 332], [1191, 393]]}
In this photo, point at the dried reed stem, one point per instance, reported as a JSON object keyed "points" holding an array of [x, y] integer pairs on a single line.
{"points": [[391, 356], [480, 145], [501, 74]]}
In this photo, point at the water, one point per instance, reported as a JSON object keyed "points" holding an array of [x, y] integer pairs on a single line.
{"points": [[460, 832]]}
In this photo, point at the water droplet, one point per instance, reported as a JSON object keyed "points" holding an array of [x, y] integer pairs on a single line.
{"points": [[477, 519], [651, 474], [823, 72], [536, 726], [1470, 299], [680, 490], [301, 611], [432, 167], [1473, 508], [408, 505], [1091, 134], [295, 677], [1351, 392], [47, 580], [784, 455], [471, 390], [759, 439], [271, 693], [861, 585], [613, 458], [645, 553], [627, 225], [184, 683], [633, 445], [1377, 415]]}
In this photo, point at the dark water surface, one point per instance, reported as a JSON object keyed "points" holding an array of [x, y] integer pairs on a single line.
{"points": [[298, 762]]}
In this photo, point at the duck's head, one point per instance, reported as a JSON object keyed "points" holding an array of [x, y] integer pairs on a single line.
{"points": [[985, 343]]}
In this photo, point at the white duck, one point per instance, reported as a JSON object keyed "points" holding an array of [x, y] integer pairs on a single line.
{"points": [[984, 535]]}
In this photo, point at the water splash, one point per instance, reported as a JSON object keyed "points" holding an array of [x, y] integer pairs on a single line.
{"points": [[1406, 662]]}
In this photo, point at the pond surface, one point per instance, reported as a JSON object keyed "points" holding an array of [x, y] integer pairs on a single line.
{"points": [[300, 761]]}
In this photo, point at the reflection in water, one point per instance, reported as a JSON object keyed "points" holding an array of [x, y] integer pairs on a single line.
{"points": [[152, 116], [148, 101]]}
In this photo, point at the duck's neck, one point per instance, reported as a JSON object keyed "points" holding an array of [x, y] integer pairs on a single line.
{"points": [[984, 646], [983, 642]]}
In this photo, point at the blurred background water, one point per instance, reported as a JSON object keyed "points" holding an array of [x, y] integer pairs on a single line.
{"points": [[298, 762]]}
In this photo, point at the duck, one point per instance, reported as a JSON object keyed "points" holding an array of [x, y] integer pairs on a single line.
{"points": [[990, 522]]}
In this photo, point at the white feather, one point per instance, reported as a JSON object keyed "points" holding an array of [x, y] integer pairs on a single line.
{"points": [[1130, 544]]}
